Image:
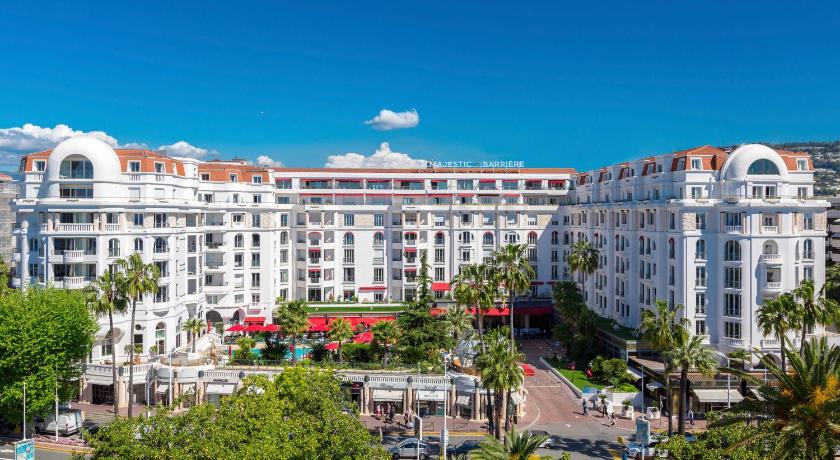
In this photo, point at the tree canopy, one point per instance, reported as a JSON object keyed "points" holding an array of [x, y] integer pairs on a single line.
{"points": [[301, 414], [45, 336]]}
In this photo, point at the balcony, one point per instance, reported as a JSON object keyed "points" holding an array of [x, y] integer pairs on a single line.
{"points": [[769, 229], [733, 342], [74, 282], [770, 259], [73, 227], [770, 343], [112, 227], [732, 229], [75, 255], [772, 286], [215, 245]]}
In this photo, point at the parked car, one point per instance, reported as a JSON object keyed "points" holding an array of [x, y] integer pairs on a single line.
{"points": [[464, 448], [69, 422], [407, 448], [547, 444]]}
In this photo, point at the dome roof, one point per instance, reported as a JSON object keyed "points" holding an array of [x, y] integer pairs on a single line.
{"points": [[106, 164], [740, 160]]}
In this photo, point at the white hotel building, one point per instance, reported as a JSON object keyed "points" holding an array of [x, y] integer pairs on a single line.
{"points": [[716, 231]]}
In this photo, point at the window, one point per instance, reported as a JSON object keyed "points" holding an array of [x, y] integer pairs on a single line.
{"points": [[701, 221], [532, 238], [696, 193], [348, 239], [700, 303], [255, 260], [465, 255], [808, 249], [134, 166], [233, 177], [237, 218], [731, 330], [113, 247], [732, 251], [238, 241], [40, 165], [162, 294], [138, 245], [378, 275], [700, 327], [256, 179], [349, 220], [700, 276], [349, 274], [439, 256], [465, 237], [801, 164], [732, 305], [487, 239], [204, 177], [763, 167], [696, 164], [255, 280], [378, 220], [732, 277], [255, 240], [732, 219], [349, 256], [76, 169], [808, 221], [440, 273], [161, 246]]}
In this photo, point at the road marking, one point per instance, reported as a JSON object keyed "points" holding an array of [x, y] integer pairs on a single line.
{"points": [[539, 412]]}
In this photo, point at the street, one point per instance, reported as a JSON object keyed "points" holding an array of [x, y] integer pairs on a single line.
{"points": [[7, 452]]}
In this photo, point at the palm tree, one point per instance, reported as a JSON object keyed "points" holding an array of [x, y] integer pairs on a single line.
{"points": [[583, 258], [740, 354], [340, 330], [814, 307], [500, 371], [659, 328], [832, 281], [138, 279], [385, 334], [460, 322], [777, 317], [472, 288], [293, 320], [520, 446], [104, 298], [512, 270], [688, 353], [801, 408], [193, 326]]}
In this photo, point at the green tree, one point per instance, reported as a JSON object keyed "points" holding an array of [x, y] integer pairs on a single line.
{"points": [[138, 280], [460, 322], [340, 331], [736, 441], [500, 371], [424, 281], [45, 337], [422, 335], [300, 414], [294, 321], [512, 270], [4, 276], [516, 446], [688, 353], [660, 328], [832, 281], [800, 408], [568, 300], [741, 355], [815, 309], [472, 288], [193, 326], [103, 298], [243, 353], [776, 317], [583, 258], [385, 335]]}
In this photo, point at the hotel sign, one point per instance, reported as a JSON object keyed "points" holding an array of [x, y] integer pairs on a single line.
{"points": [[475, 164]]}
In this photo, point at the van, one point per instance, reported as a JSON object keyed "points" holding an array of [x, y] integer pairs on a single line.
{"points": [[69, 422]]}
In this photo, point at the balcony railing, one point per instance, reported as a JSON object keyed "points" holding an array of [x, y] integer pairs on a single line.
{"points": [[773, 285], [733, 228], [74, 227], [75, 282]]}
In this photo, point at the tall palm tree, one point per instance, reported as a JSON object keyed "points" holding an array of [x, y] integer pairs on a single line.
{"points": [[193, 326], [688, 353], [500, 371], [340, 330], [740, 354], [472, 287], [583, 257], [517, 446], [460, 322], [385, 334], [777, 317], [104, 298], [138, 280], [801, 408], [512, 270], [814, 307], [659, 328], [293, 320]]}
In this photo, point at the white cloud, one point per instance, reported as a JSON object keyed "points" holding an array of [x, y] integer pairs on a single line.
{"points": [[185, 149], [31, 138], [267, 161], [383, 158], [388, 120]]}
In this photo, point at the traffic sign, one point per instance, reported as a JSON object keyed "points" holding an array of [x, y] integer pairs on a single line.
{"points": [[25, 450]]}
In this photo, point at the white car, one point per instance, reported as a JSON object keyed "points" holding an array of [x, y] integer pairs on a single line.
{"points": [[69, 422], [407, 448]]}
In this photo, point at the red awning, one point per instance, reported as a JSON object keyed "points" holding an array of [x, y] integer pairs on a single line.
{"points": [[254, 328], [271, 328], [411, 269], [371, 288], [440, 287], [364, 337], [485, 181], [255, 319], [409, 233], [332, 346], [437, 311], [314, 249], [318, 325], [236, 328], [410, 249], [493, 312], [314, 269]]}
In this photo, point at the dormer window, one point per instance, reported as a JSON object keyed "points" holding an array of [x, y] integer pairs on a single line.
{"points": [[696, 164], [205, 177], [233, 177], [256, 179], [159, 168], [801, 164], [134, 166], [39, 165]]}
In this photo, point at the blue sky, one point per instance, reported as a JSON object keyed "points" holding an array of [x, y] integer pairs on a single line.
{"points": [[578, 84]]}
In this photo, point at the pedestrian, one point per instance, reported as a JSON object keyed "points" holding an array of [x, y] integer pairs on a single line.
{"points": [[379, 410], [691, 418], [604, 407], [392, 412], [612, 418], [583, 406]]}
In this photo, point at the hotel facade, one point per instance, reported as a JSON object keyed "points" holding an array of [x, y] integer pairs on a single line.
{"points": [[715, 230]]}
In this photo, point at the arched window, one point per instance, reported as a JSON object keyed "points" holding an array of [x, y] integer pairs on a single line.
{"points": [[487, 239], [770, 248], [439, 238], [671, 250], [763, 167], [107, 347], [808, 249], [284, 237], [138, 244], [700, 250], [732, 250], [465, 237], [378, 238], [532, 238], [161, 245], [349, 239], [160, 337], [76, 167], [238, 241], [113, 247]]}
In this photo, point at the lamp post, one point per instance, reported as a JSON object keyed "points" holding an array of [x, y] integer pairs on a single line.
{"points": [[728, 378], [24, 410]]}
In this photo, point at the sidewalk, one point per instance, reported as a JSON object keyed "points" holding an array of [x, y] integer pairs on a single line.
{"points": [[432, 424]]}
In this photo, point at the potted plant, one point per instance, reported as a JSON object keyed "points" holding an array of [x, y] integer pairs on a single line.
{"points": [[654, 411], [627, 408], [153, 350]]}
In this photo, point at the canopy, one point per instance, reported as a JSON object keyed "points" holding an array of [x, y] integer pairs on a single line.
{"points": [[254, 328], [717, 395], [653, 386], [255, 319], [387, 395], [221, 388], [236, 328], [364, 337], [372, 288], [162, 389], [438, 287], [633, 372], [431, 395], [271, 328], [332, 346]]}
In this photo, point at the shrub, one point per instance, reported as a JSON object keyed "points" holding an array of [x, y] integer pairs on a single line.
{"points": [[275, 351]]}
